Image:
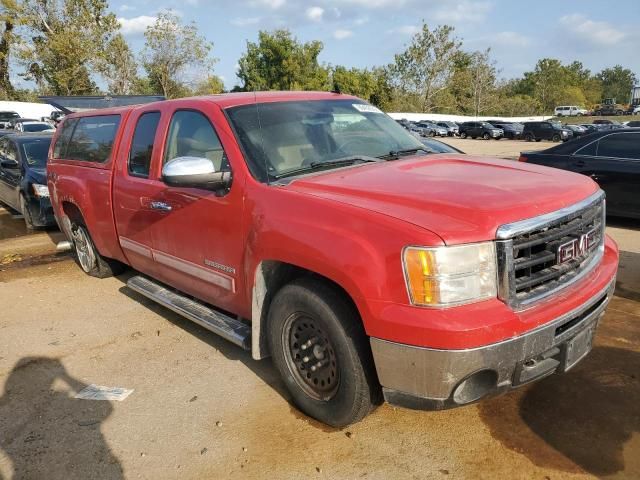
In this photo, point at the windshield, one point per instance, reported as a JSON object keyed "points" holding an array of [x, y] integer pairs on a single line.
{"points": [[283, 137], [36, 151], [487, 125], [36, 127]]}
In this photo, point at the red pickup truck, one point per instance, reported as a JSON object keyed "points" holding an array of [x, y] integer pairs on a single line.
{"points": [[312, 228]]}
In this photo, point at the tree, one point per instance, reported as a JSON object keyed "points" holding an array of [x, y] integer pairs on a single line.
{"points": [[7, 40], [171, 49], [63, 40], [426, 66], [617, 83], [210, 85], [119, 67], [279, 62], [483, 79]]}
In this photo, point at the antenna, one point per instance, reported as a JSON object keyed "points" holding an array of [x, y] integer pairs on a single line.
{"points": [[264, 154]]}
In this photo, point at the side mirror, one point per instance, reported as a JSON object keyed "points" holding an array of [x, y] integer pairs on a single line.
{"points": [[9, 164], [195, 172]]}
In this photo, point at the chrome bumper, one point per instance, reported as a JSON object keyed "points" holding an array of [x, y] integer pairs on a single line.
{"points": [[429, 379]]}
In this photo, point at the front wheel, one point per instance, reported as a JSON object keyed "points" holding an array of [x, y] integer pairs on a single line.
{"points": [[555, 138], [319, 346], [463, 134], [26, 213], [486, 136], [529, 137]]}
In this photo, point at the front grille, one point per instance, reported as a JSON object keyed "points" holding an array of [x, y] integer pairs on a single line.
{"points": [[530, 264]]}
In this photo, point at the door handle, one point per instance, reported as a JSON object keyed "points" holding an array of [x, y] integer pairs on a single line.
{"points": [[162, 206]]}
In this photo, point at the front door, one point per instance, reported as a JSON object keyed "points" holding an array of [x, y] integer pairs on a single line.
{"points": [[10, 175], [198, 241]]}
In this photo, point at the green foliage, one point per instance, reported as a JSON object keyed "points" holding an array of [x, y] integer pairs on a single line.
{"points": [[171, 49], [209, 86], [617, 83], [371, 85], [118, 66], [424, 69], [279, 62], [63, 41]]}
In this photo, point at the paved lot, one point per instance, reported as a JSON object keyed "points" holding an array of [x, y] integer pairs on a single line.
{"points": [[497, 148], [201, 408]]}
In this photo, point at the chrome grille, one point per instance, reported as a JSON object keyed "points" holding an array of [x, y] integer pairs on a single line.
{"points": [[529, 266]]}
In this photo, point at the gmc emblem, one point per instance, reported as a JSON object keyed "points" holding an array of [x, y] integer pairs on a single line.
{"points": [[578, 247]]}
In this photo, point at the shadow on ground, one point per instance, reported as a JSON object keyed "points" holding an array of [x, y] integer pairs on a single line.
{"points": [[45, 432], [579, 419]]}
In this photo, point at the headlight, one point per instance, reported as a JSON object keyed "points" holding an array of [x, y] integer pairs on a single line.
{"points": [[447, 276], [40, 190]]}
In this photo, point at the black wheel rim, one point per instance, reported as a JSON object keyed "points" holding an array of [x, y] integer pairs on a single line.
{"points": [[310, 356]]}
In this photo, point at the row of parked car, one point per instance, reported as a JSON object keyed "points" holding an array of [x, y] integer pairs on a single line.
{"points": [[497, 129]]}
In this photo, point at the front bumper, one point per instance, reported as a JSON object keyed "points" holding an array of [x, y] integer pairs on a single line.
{"points": [[432, 379]]}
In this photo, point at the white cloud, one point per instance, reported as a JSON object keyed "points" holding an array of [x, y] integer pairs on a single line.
{"points": [[594, 32], [135, 25], [375, 3], [272, 4], [341, 34], [314, 13], [463, 11], [127, 8], [245, 21], [510, 39], [405, 30], [361, 21]]}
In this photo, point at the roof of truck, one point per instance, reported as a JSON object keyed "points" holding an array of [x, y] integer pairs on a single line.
{"points": [[227, 100]]}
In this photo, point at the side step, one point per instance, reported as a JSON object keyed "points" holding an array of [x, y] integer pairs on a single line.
{"points": [[227, 327]]}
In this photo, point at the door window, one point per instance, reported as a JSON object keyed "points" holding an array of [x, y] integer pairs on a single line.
{"points": [[590, 150], [92, 139], [60, 148], [142, 144], [192, 135], [620, 145], [8, 151]]}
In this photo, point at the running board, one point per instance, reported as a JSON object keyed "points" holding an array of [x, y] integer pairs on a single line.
{"points": [[227, 327]]}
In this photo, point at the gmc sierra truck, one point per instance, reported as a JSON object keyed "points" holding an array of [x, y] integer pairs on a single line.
{"points": [[312, 228]]}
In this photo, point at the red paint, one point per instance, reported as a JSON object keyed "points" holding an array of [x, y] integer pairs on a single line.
{"points": [[349, 225]]}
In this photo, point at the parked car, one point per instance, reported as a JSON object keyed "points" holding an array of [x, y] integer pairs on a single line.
{"points": [[636, 110], [436, 146], [12, 123], [23, 182], [590, 127], [480, 129], [578, 130], [611, 158], [512, 130], [452, 128], [365, 267], [633, 123], [422, 131], [433, 129], [5, 118], [33, 127], [604, 121], [545, 131], [569, 111]]}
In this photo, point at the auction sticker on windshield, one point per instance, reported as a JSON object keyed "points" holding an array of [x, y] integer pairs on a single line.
{"points": [[365, 108]]}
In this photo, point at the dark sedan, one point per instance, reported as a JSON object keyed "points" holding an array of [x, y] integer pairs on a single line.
{"points": [[611, 158], [23, 180], [436, 146]]}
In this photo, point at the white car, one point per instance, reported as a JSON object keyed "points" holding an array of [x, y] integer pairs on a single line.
{"points": [[569, 111], [636, 110], [31, 127]]}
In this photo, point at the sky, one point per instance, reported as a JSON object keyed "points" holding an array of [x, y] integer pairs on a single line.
{"points": [[367, 33]]}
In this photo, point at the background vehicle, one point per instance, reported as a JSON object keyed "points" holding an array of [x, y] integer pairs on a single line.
{"points": [[634, 123], [433, 129], [577, 130], [610, 158], [590, 127], [452, 128], [545, 131], [636, 110], [5, 117], [569, 111], [325, 236], [23, 182], [34, 127], [610, 107], [483, 130], [512, 130], [15, 121]]}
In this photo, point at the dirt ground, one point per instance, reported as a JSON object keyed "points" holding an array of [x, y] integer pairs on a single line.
{"points": [[496, 148], [203, 409]]}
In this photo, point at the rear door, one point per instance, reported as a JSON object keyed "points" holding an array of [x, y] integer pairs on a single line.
{"points": [[136, 190], [10, 176]]}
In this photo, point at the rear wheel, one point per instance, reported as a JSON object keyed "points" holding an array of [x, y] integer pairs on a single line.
{"points": [[528, 137], [555, 138], [320, 348], [88, 257]]}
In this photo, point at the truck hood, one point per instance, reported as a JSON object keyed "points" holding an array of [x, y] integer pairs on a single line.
{"points": [[461, 198]]}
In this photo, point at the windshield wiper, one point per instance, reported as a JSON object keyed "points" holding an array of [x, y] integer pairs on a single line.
{"points": [[338, 162], [395, 154]]}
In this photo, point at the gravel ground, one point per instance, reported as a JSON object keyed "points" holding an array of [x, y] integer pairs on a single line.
{"points": [[202, 408]]}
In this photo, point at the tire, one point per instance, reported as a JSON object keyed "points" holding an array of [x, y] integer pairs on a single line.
{"points": [[555, 138], [88, 258], [538, 139], [473, 138], [432, 134], [486, 136], [26, 213], [529, 137], [463, 134], [310, 310]]}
